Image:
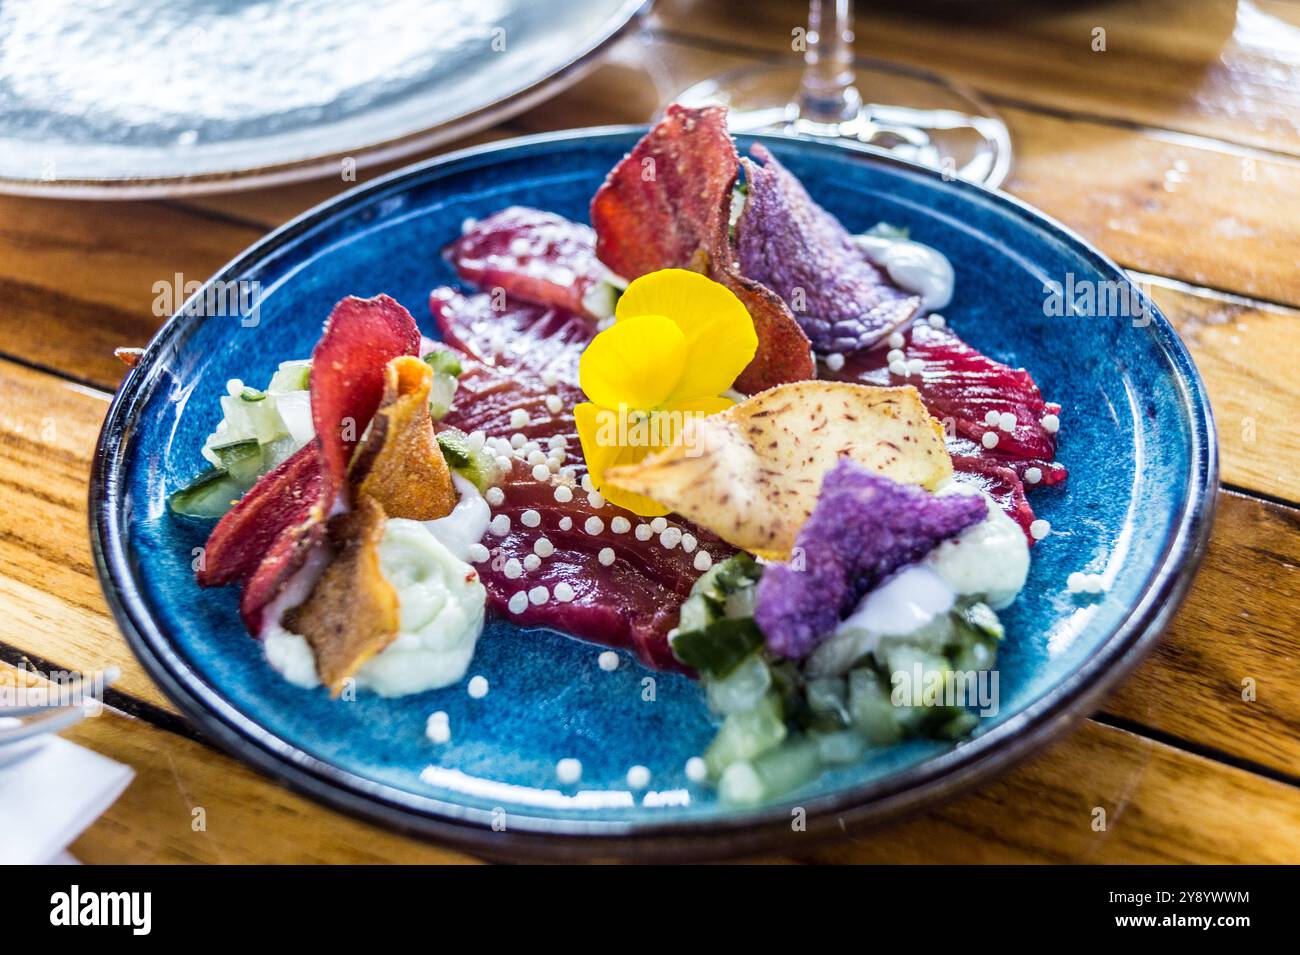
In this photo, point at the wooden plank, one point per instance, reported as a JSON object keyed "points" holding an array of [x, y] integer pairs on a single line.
{"points": [[77, 278], [1247, 354], [1224, 676], [1160, 804], [47, 436], [189, 803], [1217, 68]]}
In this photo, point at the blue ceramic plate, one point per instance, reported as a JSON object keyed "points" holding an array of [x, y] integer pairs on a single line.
{"points": [[1137, 437]]}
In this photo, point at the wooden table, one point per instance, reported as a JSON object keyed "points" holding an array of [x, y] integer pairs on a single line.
{"points": [[1176, 151]]}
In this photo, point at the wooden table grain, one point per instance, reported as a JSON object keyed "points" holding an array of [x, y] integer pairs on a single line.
{"points": [[1176, 150]]}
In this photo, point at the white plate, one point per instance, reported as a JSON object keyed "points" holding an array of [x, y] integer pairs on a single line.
{"points": [[130, 98]]}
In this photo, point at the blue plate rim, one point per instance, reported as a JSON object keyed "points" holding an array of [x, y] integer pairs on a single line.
{"points": [[740, 832]]}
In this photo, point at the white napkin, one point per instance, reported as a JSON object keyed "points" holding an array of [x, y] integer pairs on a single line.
{"points": [[49, 799]]}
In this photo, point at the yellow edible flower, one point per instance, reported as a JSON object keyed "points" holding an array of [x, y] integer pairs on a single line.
{"points": [[678, 341]]}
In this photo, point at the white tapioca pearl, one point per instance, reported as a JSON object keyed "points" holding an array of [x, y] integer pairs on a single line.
{"points": [[500, 525], [1076, 582], [644, 532], [566, 523], [1095, 584], [608, 661], [557, 441], [438, 729], [992, 417], [658, 524], [563, 592], [938, 321], [532, 562], [703, 561], [834, 361], [494, 496], [696, 769], [990, 439], [1007, 421], [896, 340], [689, 542], [568, 771], [535, 456], [916, 366], [530, 518], [596, 499], [518, 602], [478, 553], [1033, 475], [550, 378], [553, 404], [517, 440], [620, 525], [1051, 423], [898, 368], [519, 419], [606, 556], [503, 464], [478, 687], [1039, 529], [638, 777], [542, 547], [671, 537], [541, 472], [594, 525], [538, 596], [519, 246], [568, 475], [587, 485], [895, 354], [564, 494], [476, 440], [513, 569]]}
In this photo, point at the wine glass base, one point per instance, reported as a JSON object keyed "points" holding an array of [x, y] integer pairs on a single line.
{"points": [[904, 113]]}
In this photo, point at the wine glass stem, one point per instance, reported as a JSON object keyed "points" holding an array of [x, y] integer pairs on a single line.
{"points": [[826, 91]]}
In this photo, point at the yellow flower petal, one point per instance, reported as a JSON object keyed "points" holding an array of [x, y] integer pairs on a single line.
{"points": [[637, 363], [598, 432], [719, 334]]}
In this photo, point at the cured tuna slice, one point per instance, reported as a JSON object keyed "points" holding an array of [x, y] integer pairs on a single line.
{"points": [[801, 252], [667, 204], [534, 256], [264, 538], [964, 389], [546, 569]]}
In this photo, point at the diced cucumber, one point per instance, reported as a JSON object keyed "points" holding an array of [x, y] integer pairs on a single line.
{"points": [[209, 495], [840, 748], [475, 465], [828, 702], [441, 393], [874, 714], [444, 361], [742, 688], [745, 735], [242, 461], [740, 785], [788, 766], [290, 376], [716, 649], [696, 614]]}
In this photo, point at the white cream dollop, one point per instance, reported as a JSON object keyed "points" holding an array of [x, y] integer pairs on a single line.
{"points": [[989, 559], [914, 267], [440, 601]]}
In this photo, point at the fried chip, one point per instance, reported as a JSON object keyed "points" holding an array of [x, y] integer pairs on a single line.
{"points": [[352, 611], [400, 464], [751, 473]]}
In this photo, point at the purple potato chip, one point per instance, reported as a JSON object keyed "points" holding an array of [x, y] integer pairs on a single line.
{"points": [[800, 251], [863, 528]]}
